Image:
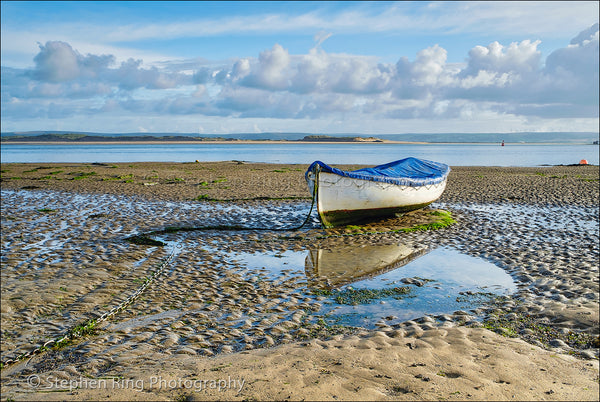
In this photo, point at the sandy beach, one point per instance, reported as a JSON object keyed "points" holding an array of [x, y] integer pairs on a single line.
{"points": [[212, 325]]}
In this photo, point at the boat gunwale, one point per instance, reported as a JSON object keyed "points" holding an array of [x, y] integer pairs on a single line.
{"points": [[400, 181]]}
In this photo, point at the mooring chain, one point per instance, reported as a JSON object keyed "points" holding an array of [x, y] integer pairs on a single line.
{"points": [[82, 329], [139, 291]]}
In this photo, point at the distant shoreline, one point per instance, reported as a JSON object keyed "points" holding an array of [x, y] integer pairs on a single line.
{"points": [[87, 138], [232, 142], [209, 142]]}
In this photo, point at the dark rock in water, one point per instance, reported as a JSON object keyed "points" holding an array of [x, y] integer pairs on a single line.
{"points": [[412, 281]]}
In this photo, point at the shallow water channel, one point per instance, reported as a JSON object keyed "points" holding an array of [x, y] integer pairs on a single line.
{"points": [[361, 286]]}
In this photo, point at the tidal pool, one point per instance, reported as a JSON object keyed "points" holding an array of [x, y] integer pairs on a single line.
{"points": [[360, 286]]}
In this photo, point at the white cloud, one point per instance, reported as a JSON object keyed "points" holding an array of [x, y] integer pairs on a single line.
{"points": [[321, 37], [496, 82], [537, 17], [428, 70], [57, 62], [553, 19], [19, 47], [485, 78], [579, 58], [532, 18], [271, 71], [508, 77], [521, 58]]}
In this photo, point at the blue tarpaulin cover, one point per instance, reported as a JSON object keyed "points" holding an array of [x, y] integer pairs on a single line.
{"points": [[405, 172]]}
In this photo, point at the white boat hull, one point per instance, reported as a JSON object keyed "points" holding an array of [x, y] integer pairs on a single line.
{"points": [[342, 200]]}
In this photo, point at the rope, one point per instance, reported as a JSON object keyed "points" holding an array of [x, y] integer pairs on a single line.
{"points": [[87, 326], [144, 238]]}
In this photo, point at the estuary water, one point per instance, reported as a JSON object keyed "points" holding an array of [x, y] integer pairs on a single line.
{"points": [[343, 153]]}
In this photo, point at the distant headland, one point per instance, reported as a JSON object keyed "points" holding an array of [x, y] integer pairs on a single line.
{"points": [[74, 137], [90, 137]]}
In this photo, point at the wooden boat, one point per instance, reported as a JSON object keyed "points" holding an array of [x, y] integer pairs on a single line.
{"points": [[344, 197], [347, 264]]}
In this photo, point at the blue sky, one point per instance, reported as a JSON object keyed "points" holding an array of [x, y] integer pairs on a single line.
{"points": [[318, 67]]}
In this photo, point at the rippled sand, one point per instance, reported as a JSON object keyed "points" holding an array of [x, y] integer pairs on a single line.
{"points": [[65, 260]]}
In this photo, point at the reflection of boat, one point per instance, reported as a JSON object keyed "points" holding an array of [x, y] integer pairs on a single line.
{"points": [[347, 264], [405, 185]]}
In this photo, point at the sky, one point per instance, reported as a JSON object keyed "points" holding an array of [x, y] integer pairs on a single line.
{"points": [[369, 67]]}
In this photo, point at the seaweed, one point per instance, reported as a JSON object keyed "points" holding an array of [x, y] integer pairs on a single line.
{"points": [[351, 296], [144, 240]]}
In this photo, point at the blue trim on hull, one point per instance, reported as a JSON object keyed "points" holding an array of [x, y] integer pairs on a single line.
{"points": [[405, 172]]}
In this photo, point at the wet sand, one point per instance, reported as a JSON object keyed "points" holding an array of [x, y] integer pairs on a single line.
{"points": [[208, 321], [238, 180]]}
